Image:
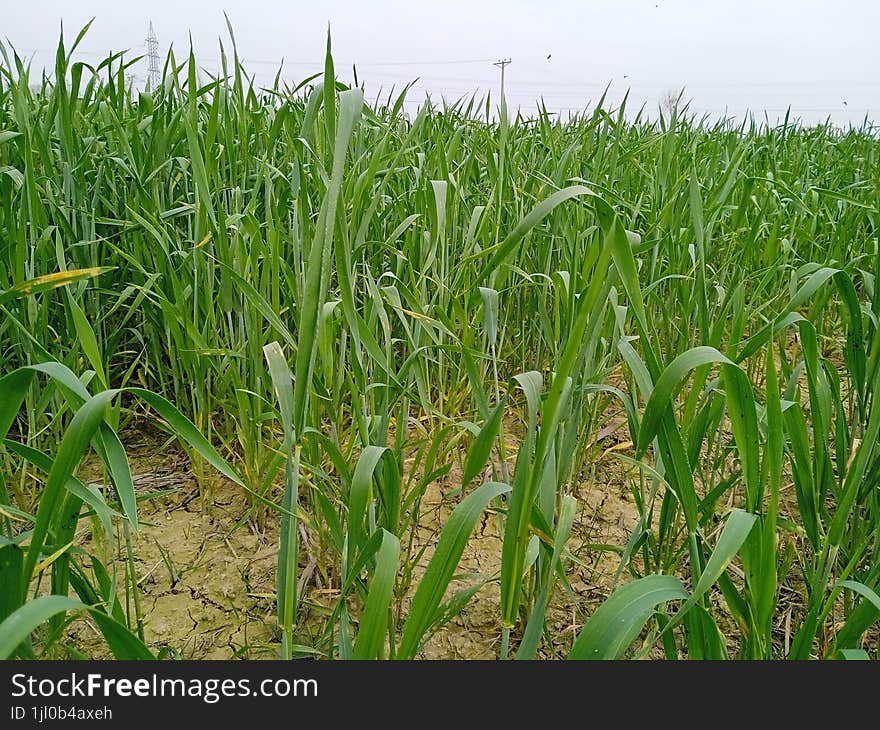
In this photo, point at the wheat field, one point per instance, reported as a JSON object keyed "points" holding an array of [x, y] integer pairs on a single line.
{"points": [[349, 316]]}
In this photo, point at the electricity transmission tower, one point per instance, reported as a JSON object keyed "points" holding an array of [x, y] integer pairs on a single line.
{"points": [[153, 58]]}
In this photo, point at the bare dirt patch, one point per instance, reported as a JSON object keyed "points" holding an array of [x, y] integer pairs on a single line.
{"points": [[206, 576]]}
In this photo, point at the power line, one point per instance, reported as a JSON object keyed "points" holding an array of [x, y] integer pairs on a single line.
{"points": [[367, 64], [528, 90], [561, 83], [428, 63]]}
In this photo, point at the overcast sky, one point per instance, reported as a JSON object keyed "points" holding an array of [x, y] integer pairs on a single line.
{"points": [[821, 57]]}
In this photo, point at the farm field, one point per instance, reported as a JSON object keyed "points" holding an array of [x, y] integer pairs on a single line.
{"points": [[288, 373]]}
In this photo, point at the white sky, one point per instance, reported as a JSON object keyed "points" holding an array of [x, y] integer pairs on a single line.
{"points": [[821, 57]]}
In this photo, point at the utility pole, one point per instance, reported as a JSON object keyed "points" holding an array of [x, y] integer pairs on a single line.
{"points": [[502, 63], [153, 77]]}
